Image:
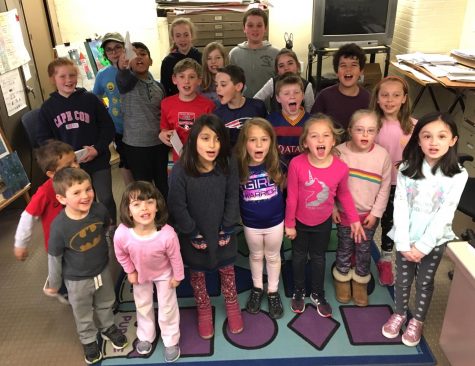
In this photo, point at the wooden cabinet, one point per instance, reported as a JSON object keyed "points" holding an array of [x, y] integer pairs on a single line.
{"points": [[223, 26], [466, 131]]}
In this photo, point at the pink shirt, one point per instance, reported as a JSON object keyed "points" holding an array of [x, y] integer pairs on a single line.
{"points": [[369, 180], [393, 139], [155, 257], [311, 192]]}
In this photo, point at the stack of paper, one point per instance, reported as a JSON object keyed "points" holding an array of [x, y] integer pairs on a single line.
{"points": [[469, 54], [419, 58]]}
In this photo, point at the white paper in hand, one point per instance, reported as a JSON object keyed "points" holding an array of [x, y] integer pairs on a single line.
{"points": [[176, 143], [129, 49], [80, 154]]}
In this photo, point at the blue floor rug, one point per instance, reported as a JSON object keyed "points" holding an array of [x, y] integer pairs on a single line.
{"points": [[351, 337]]}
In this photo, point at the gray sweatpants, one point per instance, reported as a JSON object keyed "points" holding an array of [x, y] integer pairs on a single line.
{"points": [[88, 302], [424, 273]]}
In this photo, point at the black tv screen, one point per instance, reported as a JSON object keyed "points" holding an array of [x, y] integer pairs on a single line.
{"points": [[355, 17]]}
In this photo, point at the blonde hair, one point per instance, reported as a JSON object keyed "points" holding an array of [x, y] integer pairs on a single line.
{"points": [[355, 117], [317, 118], [404, 113], [181, 21], [271, 160], [208, 77]]}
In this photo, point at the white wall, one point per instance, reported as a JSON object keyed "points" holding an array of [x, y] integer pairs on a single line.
{"points": [[292, 17], [467, 40], [81, 19]]}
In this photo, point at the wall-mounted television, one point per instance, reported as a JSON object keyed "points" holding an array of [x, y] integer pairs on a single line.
{"points": [[364, 22]]}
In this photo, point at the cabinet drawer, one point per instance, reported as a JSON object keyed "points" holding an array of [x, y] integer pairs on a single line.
{"points": [[219, 27], [201, 42], [209, 17], [218, 34]]}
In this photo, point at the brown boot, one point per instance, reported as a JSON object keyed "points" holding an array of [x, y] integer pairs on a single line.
{"points": [[359, 286], [342, 286]]}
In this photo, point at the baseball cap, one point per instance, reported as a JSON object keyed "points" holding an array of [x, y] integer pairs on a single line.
{"points": [[114, 36]]}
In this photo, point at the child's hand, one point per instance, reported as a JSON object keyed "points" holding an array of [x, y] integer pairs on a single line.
{"points": [[20, 253], [336, 217], [199, 242], [369, 221], [223, 238], [290, 233], [357, 232], [50, 291], [123, 62], [164, 136], [91, 154], [133, 277], [417, 254], [174, 283]]}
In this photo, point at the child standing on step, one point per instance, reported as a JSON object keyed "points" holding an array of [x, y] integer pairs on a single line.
{"points": [[315, 178], [430, 183], [148, 250], [262, 209], [391, 103], [369, 183], [204, 206]]}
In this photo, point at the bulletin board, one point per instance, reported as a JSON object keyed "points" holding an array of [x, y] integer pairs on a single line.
{"points": [[13, 179]]}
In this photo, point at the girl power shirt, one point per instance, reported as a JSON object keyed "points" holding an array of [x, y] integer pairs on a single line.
{"points": [[260, 200]]}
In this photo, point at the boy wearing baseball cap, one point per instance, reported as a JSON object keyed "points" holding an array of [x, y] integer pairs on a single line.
{"points": [[105, 86]]}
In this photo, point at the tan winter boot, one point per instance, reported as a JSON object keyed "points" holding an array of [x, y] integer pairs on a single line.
{"points": [[359, 287], [342, 286]]}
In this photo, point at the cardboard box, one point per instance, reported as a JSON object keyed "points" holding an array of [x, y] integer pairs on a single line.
{"points": [[372, 75]]}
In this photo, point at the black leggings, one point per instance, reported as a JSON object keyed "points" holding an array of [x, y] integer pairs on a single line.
{"points": [[311, 240]]}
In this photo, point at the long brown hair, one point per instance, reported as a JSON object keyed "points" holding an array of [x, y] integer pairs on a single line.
{"points": [[208, 77], [271, 160], [404, 114]]}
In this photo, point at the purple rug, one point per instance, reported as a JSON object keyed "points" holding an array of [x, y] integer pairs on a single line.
{"points": [[363, 324], [191, 344], [313, 328], [259, 331]]}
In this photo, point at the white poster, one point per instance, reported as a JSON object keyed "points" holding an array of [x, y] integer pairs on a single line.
{"points": [[13, 53], [13, 92]]}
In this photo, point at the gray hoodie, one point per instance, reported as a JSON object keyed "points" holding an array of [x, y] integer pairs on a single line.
{"points": [[258, 65]]}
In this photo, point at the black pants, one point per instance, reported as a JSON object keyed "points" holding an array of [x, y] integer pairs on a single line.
{"points": [[150, 164], [387, 222], [311, 240]]}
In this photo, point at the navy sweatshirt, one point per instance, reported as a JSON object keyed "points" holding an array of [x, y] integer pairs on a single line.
{"points": [[79, 120]]}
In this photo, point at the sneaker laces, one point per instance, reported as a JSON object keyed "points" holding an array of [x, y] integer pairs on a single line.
{"points": [[255, 295], [412, 329], [298, 295], [395, 322], [274, 300]]}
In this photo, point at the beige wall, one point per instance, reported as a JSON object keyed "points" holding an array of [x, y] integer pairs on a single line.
{"points": [[421, 25], [81, 19]]}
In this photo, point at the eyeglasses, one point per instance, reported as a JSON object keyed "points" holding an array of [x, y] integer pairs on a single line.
{"points": [[361, 131], [114, 49]]}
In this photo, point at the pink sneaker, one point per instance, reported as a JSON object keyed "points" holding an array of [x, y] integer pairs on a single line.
{"points": [[413, 333], [393, 325], [385, 269]]}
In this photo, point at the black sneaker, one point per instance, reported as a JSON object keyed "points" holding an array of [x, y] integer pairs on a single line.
{"points": [[297, 303], [117, 339], [92, 353], [254, 302], [323, 307], [276, 310]]}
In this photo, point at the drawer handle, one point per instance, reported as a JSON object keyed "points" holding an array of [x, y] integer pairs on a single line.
{"points": [[470, 146], [218, 17], [218, 26]]}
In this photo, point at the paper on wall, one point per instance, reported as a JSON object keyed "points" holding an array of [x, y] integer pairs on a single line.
{"points": [[13, 91]]}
